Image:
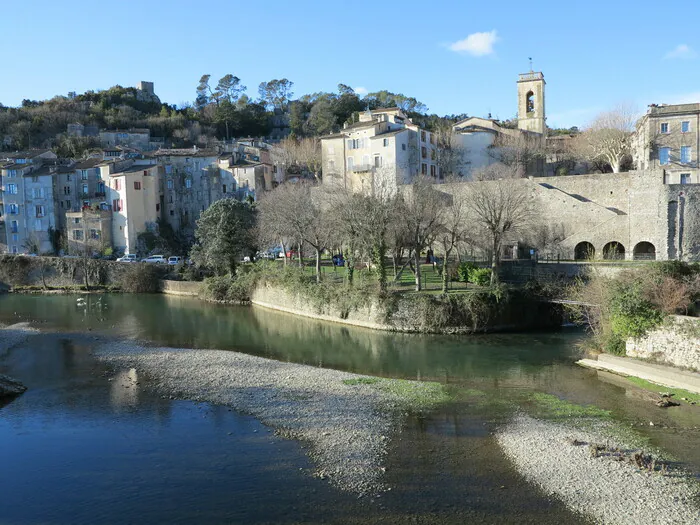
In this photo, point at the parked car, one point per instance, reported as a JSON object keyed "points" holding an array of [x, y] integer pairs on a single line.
{"points": [[338, 260], [158, 259], [128, 257], [174, 260]]}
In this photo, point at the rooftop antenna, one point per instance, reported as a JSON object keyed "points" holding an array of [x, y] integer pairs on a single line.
{"points": [[530, 59]]}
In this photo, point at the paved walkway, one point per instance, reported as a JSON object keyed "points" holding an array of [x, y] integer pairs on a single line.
{"points": [[661, 374]]}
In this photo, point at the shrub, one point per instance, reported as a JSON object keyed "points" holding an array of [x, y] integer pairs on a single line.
{"points": [[464, 269], [480, 276], [141, 278]]}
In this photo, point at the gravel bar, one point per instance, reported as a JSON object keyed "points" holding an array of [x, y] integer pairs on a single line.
{"points": [[346, 427], [14, 334], [606, 490]]}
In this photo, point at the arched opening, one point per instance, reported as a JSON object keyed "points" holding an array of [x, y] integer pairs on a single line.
{"points": [[584, 251], [644, 251], [614, 251], [530, 102]]}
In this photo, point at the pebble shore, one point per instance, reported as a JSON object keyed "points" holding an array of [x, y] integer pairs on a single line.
{"points": [[346, 427], [556, 457]]}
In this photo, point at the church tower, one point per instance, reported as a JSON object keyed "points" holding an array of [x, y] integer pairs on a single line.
{"points": [[531, 115]]}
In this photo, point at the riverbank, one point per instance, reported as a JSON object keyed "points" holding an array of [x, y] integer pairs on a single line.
{"points": [[587, 471], [346, 420]]}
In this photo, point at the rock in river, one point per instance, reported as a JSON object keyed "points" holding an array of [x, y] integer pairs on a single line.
{"points": [[10, 387]]}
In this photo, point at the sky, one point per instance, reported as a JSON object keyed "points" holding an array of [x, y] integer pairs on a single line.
{"points": [[454, 56]]}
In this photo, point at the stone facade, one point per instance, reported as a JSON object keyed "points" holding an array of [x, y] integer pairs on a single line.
{"points": [[632, 215], [677, 343], [531, 109]]}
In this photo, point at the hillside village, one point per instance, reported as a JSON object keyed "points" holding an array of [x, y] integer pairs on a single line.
{"points": [[115, 191]]}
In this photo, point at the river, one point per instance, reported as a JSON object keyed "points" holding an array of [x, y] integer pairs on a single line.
{"points": [[84, 445]]}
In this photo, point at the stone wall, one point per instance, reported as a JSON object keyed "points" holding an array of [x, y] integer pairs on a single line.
{"points": [[17, 270], [676, 343], [189, 288]]}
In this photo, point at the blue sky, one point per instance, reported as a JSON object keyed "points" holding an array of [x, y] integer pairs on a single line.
{"points": [[594, 54]]}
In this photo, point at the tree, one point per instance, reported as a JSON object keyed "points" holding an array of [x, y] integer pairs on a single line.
{"points": [[229, 88], [609, 137], [421, 211], [276, 93], [524, 152], [451, 153], [294, 211], [305, 153], [386, 99], [224, 233], [453, 228], [203, 92], [498, 205]]}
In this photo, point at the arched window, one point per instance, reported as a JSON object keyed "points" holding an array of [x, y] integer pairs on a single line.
{"points": [[614, 250], [530, 102], [584, 251], [644, 251]]}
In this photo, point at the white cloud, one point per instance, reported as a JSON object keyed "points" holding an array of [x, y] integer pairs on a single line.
{"points": [[361, 90], [683, 51], [476, 44]]}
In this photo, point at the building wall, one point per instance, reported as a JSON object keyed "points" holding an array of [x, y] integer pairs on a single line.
{"points": [[676, 344]]}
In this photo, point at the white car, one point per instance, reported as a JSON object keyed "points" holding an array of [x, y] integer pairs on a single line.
{"points": [[174, 260], [128, 257], [159, 259]]}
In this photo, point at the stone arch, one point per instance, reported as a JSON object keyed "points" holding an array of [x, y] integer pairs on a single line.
{"points": [[584, 251], [530, 102], [644, 251], [614, 251]]}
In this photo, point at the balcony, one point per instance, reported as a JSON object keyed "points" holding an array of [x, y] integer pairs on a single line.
{"points": [[100, 194], [362, 168]]}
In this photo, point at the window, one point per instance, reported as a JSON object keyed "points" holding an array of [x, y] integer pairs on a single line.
{"points": [[385, 142], [433, 170], [424, 169], [14, 249], [77, 235], [68, 205], [377, 161], [13, 209], [223, 188], [157, 207], [66, 190], [117, 184], [137, 185], [172, 213], [83, 174], [188, 183], [14, 227], [685, 126], [95, 234], [664, 156], [170, 199], [351, 163], [76, 220], [68, 177], [403, 147], [117, 205], [685, 178], [12, 189], [169, 184], [85, 189], [664, 127], [530, 102], [422, 136], [685, 154], [11, 173], [423, 152], [40, 211], [15, 237]]}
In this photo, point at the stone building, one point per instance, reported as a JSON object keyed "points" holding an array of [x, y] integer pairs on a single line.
{"points": [[635, 215], [132, 138], [667, 137], [89, 230], [384, 149]]}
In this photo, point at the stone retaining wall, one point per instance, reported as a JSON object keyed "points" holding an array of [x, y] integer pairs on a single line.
{"points": [[676, 343], [189, 288], [17, 270]]}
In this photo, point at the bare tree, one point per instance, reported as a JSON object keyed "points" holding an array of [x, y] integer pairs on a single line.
{"points": [[500, 206], [453, 228], [421, 209], [295, 211], [525, 152], [451, 153], [609, 137], [303, 153]]}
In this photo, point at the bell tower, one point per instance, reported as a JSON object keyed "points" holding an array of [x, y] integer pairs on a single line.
{"points": [[531, 116]]}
